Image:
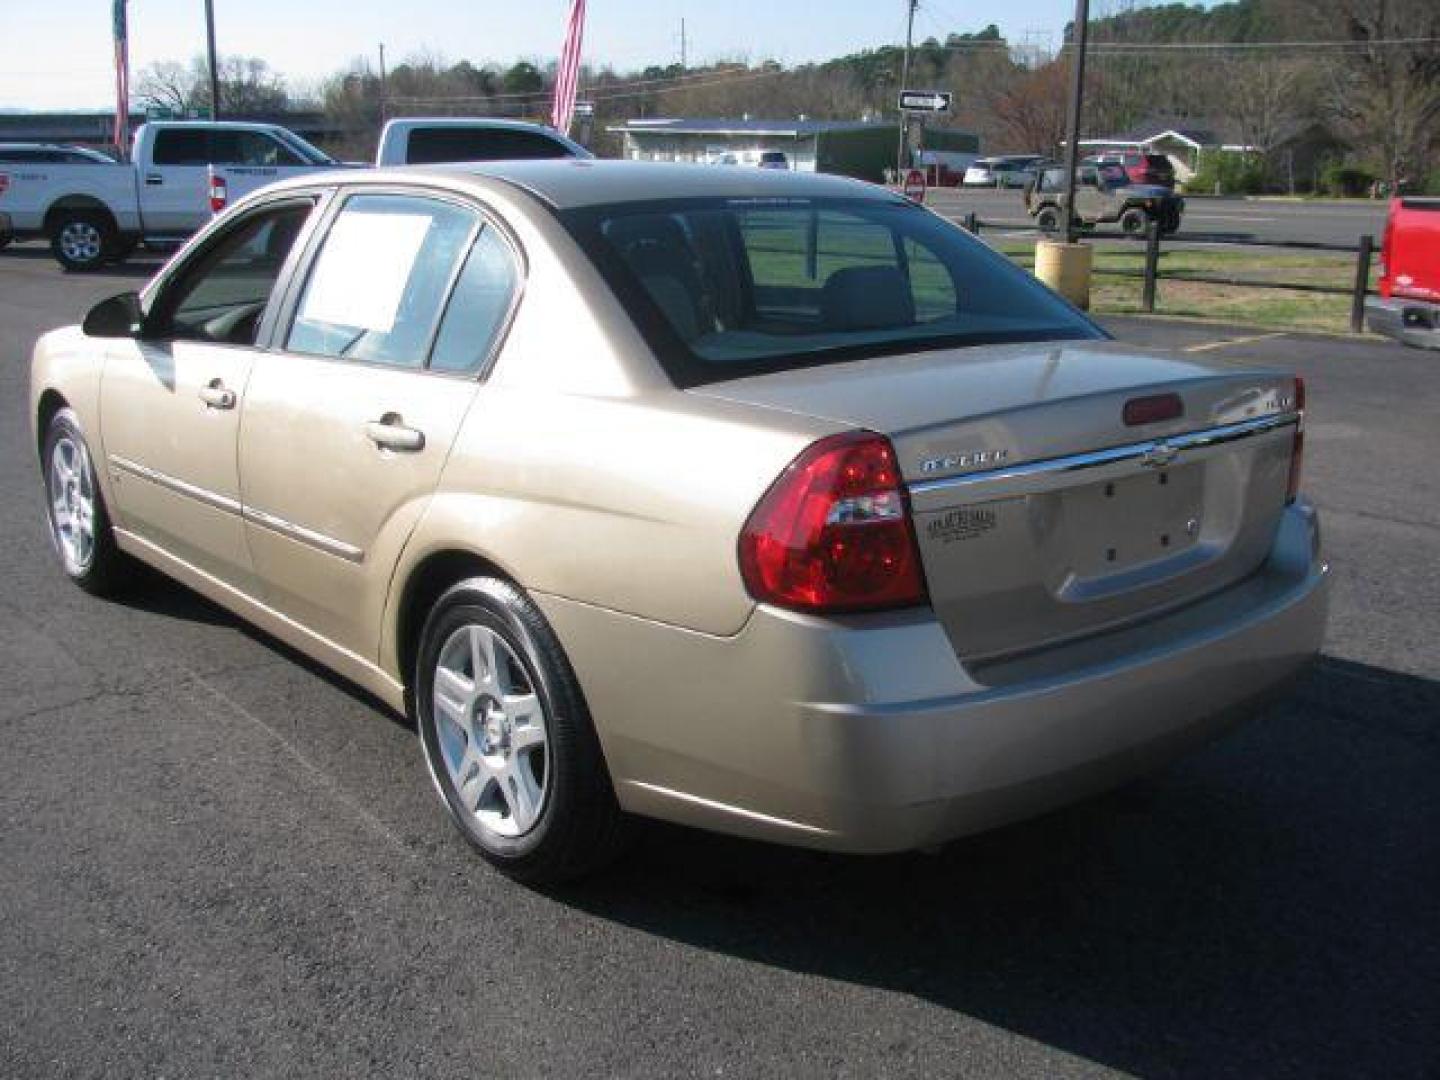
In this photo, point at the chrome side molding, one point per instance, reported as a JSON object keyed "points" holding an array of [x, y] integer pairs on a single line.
{"points": [[328, 544]]}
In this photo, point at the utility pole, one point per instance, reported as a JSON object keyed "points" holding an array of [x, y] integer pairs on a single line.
{"points": [[214, 65], [383, 87], [684, 48], [900, 153], [1079, 34]]}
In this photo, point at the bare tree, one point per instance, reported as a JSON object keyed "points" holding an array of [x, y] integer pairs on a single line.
{"points": [[1386, 91]]}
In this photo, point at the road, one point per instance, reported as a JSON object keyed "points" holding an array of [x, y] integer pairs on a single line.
{"points": [[220, 861], [1205, 219]]}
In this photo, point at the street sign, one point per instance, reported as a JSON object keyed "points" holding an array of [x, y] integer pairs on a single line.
{"points": [[915, 186], [925, 101], [584, 108]]}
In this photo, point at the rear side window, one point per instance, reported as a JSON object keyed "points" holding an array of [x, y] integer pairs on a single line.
{"points": [[434, 146], [376, 289], [483, 296], [181, 146]]}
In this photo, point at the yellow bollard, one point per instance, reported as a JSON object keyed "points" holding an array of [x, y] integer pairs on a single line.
{"points": [[1066, 269]]}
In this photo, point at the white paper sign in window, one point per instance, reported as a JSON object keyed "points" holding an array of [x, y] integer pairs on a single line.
{"points": [[362, 270]]}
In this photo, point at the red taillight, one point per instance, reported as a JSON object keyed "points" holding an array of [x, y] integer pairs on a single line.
{"points": [[219, 193], [833, 533], [1297, 450]]}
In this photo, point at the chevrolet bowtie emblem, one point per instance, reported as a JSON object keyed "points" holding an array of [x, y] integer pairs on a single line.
{"points": [[1160, 455]]}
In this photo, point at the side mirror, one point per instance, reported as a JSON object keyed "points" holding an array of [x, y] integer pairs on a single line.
{"points": [[118, 317]]}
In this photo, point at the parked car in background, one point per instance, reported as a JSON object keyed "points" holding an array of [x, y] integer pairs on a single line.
{"points": [[445, 140], [44, 153], [1100, 199], [1408, 307], [1012, 171], [1140, 168], [773, 159], [766, 502], [94, 212]]}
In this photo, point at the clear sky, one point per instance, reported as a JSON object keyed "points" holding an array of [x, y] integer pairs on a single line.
{"points": [[57, 53]]}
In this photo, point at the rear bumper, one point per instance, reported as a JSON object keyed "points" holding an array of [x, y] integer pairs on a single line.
{"points": [[871, 735], [1413, 322]]}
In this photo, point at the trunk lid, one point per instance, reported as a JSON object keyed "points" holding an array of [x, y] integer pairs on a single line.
{"points": [[1041, 514]]}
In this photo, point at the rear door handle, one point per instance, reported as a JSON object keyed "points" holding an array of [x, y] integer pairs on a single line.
{"points": [[390, 433], [154, 179], [217, 395]]}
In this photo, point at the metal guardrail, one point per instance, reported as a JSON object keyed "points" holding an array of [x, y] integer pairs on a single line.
{"points": [[1150, 275]]}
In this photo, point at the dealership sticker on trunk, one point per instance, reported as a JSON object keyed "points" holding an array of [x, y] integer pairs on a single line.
{"points": [[965, 523]]}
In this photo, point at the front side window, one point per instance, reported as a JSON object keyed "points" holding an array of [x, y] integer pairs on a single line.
{"points": [[236, 146], [724, 288], [377, 288], [221, 297]]}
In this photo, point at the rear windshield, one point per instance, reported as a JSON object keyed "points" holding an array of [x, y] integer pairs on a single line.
{"points": [[439, 145], [724, 288]]}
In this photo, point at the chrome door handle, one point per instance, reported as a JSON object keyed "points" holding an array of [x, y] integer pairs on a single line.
{"points": [[154, 179], [217, 396], [390, 433]]}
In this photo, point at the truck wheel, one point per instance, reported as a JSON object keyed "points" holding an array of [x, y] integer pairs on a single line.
{"points": [[5, 239], [1134, 221], [1048, 219], [81, 240]]}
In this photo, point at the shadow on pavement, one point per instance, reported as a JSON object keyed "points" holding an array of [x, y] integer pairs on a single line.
{"points": [[143, 264], [1266, 907]]}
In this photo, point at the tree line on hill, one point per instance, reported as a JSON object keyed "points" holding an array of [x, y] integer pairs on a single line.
{"points": [[1367, 72]]}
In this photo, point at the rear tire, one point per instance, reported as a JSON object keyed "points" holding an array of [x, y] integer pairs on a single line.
{"points": [[81, 240], [508, 739], [80, 531], [1047, 220]]}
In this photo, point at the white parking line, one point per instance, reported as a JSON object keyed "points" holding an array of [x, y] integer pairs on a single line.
{"points": [[1227, 342]]}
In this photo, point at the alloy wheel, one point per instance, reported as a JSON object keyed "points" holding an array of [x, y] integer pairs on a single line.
{"points": [[81, 241], [72, 504], [492, 732]]}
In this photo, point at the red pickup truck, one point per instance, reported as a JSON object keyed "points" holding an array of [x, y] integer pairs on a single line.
{"points": [[1408, 307]]}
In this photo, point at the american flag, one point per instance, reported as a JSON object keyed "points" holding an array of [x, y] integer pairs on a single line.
{"points": [[122, 79], [567, 75]]}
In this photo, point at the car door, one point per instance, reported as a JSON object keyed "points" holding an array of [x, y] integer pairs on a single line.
{"points": [[348, 421], [169, 401], [1089, 199], [174, 198]]}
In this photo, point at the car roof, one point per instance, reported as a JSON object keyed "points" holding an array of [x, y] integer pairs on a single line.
{"points": [[570, 183]]}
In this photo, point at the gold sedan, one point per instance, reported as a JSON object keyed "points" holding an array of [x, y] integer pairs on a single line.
{"points": [[757, 501]]}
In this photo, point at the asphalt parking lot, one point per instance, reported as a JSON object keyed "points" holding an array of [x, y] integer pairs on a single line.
{"points": [[218, 860]]}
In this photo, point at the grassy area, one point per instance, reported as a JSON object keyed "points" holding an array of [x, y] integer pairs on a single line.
{"points": [[1272, 307]]}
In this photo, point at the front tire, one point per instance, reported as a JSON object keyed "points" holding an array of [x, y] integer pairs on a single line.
{"points": [[79, 522], [508, 739], [81, 240], [1047, 220], [1134, 221]]}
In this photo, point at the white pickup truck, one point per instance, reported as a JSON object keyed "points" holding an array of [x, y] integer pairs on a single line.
{"points": [[439, 140], [97, 213]]}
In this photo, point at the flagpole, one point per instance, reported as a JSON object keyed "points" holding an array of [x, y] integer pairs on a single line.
{"points": [[121, 130]]}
